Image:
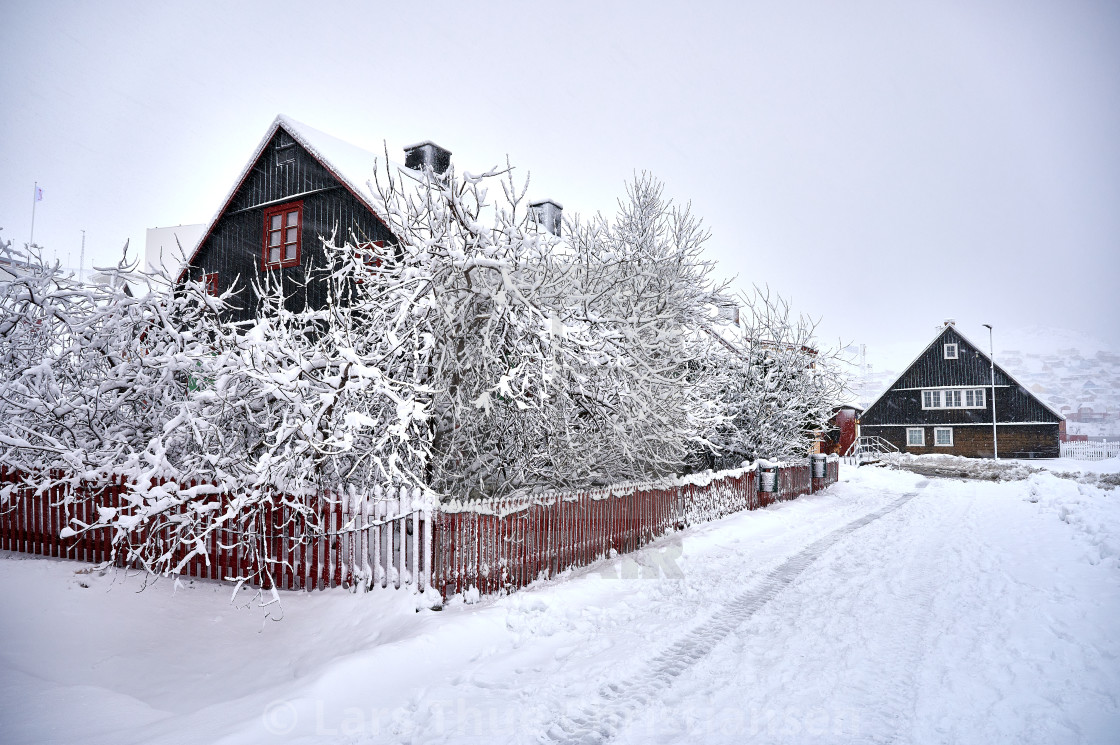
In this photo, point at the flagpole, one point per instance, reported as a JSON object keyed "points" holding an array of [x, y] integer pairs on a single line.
{"points": [[34, 199]]}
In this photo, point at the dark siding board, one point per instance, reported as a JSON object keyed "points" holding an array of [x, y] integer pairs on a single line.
{"points": [[235, 245], [897, 406], [970, 367], [1015, 441], [1014, 404]]}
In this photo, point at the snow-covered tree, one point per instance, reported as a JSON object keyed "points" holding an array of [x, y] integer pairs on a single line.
{"points": [[550, 362], [779, 388], [478, 355]]}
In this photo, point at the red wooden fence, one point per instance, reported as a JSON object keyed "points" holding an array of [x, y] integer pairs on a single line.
{"points": [[503, 544], [391, 538], [364, 542]]}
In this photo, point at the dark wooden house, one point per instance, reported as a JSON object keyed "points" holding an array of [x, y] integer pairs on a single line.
{"points": [[299, 185], [942, 403]]}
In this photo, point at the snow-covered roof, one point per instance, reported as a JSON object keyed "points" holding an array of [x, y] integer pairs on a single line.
{"points": [[349, 163]]}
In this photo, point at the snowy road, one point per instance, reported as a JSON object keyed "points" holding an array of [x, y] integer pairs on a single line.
{"points": [[891, 608]]}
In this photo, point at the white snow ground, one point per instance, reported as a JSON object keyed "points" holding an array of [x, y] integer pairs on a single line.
{"points": [[889, 608]]}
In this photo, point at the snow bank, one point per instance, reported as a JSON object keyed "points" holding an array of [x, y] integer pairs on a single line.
{"points": [[1092, 511]]}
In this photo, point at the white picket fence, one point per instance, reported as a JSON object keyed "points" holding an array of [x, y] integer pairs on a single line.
{"points": [[1091, 450]]}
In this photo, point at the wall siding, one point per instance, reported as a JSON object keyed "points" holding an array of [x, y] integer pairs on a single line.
{"points": [[1015, 440], [234, 246]]}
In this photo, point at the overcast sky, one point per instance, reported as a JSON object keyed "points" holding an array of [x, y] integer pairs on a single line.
{"points": [[885, 165]]}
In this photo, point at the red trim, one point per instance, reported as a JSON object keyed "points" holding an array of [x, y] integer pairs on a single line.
{"points": [[278, 248], [276, 126], [210, 281], [374, 260]]}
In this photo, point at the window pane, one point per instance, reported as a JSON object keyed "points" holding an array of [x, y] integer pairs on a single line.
{"points": [[274, 238], [289, 252], [968, 398], [274, 255], [276, 222], [980, 397], [926, 398], [293, 218], [936, 395], [293, 234], [957, 399]]}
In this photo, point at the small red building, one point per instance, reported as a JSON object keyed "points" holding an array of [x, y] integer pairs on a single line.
{"points": [[843, 431]]}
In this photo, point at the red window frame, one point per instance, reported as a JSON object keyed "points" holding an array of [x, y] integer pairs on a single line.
{"points": [[210, 282], [374, 260], [277, 226]]}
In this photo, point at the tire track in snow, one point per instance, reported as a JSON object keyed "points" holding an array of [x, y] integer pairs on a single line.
{"points": [[598, 721], [887, 710]]}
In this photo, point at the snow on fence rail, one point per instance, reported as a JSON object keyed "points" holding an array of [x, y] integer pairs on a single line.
{"points": [[503, 544], [362, 542], [489, 545], [1090, 450]]}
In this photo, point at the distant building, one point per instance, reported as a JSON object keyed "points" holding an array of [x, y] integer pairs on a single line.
{"points": [[942, 403]]}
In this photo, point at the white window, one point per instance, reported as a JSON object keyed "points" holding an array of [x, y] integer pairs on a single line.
{"points": [[954, 398], [974, 398], [943, 436], [915, 436], [950, 351]]}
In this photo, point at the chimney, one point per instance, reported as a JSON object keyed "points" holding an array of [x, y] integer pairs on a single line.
{"points": [[547, 213], [950, 322], [427, 154]]}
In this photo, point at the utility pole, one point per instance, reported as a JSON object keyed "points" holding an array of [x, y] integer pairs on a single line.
{"points": [[82, 259], [34, 198], [992, 359]]}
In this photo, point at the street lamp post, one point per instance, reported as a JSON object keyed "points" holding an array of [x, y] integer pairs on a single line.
{"points": [[992, 359]]}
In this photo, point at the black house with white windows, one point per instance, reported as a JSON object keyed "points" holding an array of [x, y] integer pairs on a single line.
{"points": [[942, 403]]}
